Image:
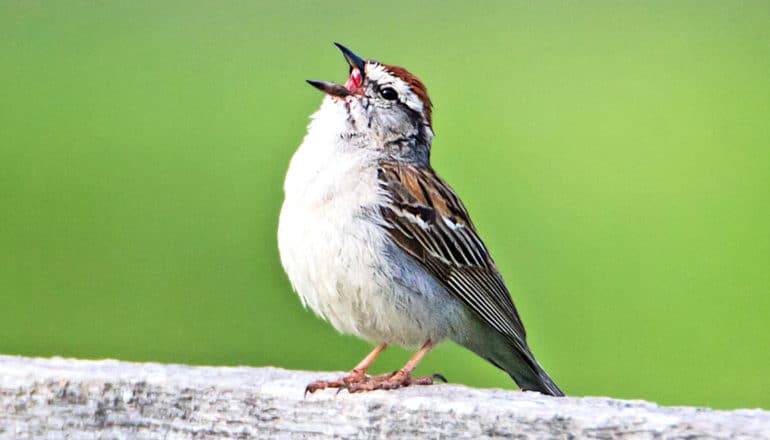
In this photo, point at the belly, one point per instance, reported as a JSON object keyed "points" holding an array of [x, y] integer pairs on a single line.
{"points": [[344, 267]]}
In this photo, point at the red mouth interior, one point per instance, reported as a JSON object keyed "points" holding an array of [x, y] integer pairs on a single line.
{"points": [[354, 81]]}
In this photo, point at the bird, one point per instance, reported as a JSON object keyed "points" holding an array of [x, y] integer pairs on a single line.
{"points": [[381, 247]]}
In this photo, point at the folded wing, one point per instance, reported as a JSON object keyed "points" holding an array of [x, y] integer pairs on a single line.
{"points": [[426, 219]]}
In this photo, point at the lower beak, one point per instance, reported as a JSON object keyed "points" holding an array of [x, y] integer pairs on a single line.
{"points": [[330, 88]]}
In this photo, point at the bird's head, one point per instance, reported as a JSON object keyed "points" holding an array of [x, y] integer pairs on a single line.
{"points": [[385, 102]]}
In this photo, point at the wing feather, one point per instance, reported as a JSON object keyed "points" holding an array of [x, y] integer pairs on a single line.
{"points": [[425, 218]]}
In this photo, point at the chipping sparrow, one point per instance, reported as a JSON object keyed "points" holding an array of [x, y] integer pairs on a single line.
{"points": [[380, 246]]}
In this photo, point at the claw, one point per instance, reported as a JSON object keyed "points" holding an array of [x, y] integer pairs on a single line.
{"points": [[340, 384], [439, 377], [357, 381], [393, 381], [315, 386]]}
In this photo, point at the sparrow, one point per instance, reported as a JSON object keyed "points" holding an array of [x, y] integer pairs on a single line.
{"points": [[378, 245]]}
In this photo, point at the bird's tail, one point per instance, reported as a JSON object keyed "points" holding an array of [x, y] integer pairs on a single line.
{"points": [[531, 377], [515, 359]]}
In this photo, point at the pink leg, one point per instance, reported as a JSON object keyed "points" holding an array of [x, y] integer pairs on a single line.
{"points": [[401, 378], [357, 375]]}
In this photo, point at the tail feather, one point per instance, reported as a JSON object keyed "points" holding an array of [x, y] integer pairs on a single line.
{"points": [[534, 379], [519, 363]]}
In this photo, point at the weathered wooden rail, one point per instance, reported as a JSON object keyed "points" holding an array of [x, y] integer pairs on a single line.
{"points": [[78, 399]]}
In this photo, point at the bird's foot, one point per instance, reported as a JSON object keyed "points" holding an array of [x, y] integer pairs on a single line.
{"points": [[392, 381], [355, 377]]}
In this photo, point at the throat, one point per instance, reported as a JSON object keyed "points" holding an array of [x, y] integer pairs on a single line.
{"points": [[410, 149]]}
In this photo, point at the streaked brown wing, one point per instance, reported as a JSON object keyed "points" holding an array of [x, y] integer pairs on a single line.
{"points": [[428, 221]]}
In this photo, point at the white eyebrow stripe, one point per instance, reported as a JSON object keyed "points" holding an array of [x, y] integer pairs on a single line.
{"points": [[380, 75]]}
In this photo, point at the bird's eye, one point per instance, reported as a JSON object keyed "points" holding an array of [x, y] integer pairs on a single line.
{"points": [[389, 93]]}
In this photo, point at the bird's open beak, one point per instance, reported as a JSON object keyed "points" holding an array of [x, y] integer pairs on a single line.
{"points": [[356, 64]]}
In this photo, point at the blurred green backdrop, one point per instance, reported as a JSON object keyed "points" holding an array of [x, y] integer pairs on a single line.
{"points": [[614, 155]]}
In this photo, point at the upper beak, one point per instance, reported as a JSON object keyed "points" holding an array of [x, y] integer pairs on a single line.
{"points": [[355, 61], [339, 90]]}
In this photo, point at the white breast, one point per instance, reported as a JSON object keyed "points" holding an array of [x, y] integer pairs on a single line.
{"points": [[338, 259]]}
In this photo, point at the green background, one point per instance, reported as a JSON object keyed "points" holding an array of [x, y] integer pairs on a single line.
{"points": [[614, 156]]}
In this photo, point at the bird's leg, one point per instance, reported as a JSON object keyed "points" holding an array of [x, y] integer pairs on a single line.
{"points": [[401, 378], [357, 375]]}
